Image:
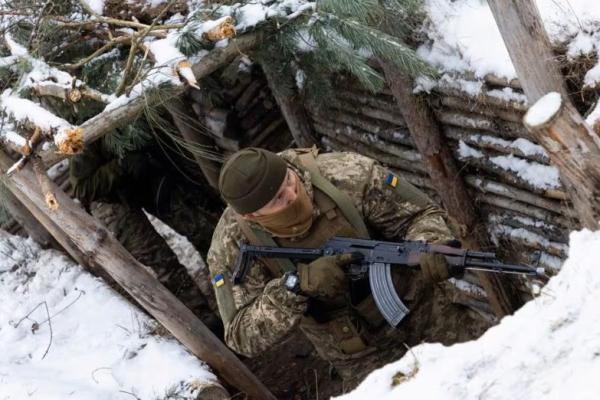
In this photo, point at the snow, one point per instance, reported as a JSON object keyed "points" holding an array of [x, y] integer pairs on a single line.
{"points": [[15, 48], [96, 5], [543, 110], [465, 151], [96, 346], [463, 35], [549, 349], [539, 175], [26, 110]]}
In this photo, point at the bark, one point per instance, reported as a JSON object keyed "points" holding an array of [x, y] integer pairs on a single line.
{"points": [[101, 248], [292, 108], [475, 106], [446, 179], [108, 120], [25, 219], [575, 149], [189, 128], [485, 185], [348, 144], [462, 119], [529, 47]]}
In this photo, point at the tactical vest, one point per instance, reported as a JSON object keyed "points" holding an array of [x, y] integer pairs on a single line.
{"points": [[337, 217]]}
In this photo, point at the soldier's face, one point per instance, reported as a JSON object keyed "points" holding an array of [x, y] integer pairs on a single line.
{"points": [[286, 194]]}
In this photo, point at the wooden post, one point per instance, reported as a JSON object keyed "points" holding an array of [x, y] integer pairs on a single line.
{"points": [[574, 148], [24, 218], [571, 144], [292, 108], [446, 179], [529, 47], [101, 248], [188, 125]]}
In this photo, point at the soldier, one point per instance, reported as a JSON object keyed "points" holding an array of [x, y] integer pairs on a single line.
{"points": [[301, 199]]}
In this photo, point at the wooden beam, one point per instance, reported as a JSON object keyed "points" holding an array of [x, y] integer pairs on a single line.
{"points": [[574, 148], [529, 47], [292, 108], [445, 178], [101, 248]]}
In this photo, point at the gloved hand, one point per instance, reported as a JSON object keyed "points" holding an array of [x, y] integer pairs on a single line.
{"points": [[324, 276], [435, 268]]}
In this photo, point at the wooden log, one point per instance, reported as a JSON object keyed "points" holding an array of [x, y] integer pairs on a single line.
{"points": [[574, 148], [505, 129], [485, 185], [529, 47], [484, 97], [360, 97], [242, 104], [445, 177], [23, 217], [381, 156], [191, 131], [473, 106], [550, 231], [101, 248], [394, 135], [274, 126], [526, 210], [355, 120], [509, 177], [404, 153], [374, 113], [491, 142], [291, 106], [531, 240]]}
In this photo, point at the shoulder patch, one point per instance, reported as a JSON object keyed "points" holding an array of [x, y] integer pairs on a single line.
{"points": [[218, 280], [392, 180]]}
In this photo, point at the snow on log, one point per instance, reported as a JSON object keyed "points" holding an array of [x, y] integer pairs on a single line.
{"points": [[574, 148], [67, 138]]}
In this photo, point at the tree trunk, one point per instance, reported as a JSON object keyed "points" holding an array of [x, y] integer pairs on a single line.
{"points": [[292, 108], [444, 175], [575, 149], [529, 47], [101, 248], [188, 125]]}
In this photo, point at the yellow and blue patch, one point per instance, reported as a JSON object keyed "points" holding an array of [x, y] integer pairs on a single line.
{"points": [[392, 180], [218, 280]]}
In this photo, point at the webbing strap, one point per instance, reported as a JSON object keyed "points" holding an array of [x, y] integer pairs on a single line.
{"points": [[341, 199], [258, 237]]}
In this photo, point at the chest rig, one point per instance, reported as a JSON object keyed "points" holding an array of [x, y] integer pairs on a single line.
{"points": [[337, 216]]}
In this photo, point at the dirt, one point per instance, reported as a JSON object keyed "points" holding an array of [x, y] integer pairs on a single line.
{"points": [[293, 371]]}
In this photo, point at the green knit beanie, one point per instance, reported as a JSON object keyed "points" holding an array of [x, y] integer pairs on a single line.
{"points": [[251, 178]]}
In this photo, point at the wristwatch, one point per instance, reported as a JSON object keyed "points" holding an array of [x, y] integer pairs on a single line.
{"points": [[291, 281]]}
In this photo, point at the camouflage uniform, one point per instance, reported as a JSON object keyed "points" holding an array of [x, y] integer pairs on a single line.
{"points": [[266, 313]]}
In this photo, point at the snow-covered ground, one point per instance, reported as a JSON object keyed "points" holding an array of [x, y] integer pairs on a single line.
{"points": [[550, 349], [65, 334]]}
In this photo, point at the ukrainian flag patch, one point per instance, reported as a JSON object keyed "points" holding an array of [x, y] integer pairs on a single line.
{"points": [[392, 180], [219, 280]]}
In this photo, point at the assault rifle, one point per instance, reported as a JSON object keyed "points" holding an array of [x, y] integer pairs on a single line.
{"points": [[375, 260]]}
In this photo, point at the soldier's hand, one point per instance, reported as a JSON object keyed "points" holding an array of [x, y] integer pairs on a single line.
{"points": [[434, 267], [324, 277]]}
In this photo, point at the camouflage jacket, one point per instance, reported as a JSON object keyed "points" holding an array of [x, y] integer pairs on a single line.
{"points": [[265, 312]]}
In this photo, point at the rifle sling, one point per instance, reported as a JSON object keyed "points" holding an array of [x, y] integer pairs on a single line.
{"points": [[258, 237], [341, 199]]}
